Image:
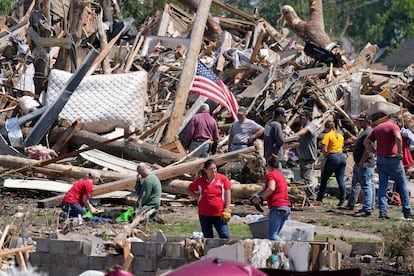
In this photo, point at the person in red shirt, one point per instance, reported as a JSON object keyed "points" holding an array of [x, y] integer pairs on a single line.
{"points": [[213, 194], [78, 196], [276, 194], [389, 150]]}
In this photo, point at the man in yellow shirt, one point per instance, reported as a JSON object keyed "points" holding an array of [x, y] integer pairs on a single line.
{"points": [[332, 145]]}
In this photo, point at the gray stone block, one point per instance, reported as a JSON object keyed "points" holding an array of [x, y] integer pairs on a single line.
{"points": [[66, 247], [144, 264], [112, 260], [170, 263], [81, 262], [96, 262], [43, 245]]}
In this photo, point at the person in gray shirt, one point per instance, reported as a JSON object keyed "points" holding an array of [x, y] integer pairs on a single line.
{"points": [[307, 150], [273, 133], [243, 131]]}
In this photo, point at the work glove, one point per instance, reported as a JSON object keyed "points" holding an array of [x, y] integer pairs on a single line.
{"points": [[126, 216], [226, 215]]}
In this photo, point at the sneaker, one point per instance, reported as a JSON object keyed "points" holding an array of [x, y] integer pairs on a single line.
{"points": [[384, 217], [362, 214], [350, 207], [341, 204], [409, 216]]}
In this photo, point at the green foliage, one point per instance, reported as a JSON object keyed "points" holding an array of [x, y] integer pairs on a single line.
{"points": [[6, 6], [400, 240]]}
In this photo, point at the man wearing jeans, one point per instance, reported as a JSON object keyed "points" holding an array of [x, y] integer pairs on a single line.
{"points": [[365, 164], [389, 155], [307, 150]]}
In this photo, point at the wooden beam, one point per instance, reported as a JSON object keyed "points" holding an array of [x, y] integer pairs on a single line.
{"points": [[189, 69], [162, 174]]}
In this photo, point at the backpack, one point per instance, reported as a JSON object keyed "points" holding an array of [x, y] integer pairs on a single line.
{"points": [[393, 198]]}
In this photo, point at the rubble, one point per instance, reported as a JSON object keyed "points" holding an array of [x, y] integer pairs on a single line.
{"points": [[138, 79]]}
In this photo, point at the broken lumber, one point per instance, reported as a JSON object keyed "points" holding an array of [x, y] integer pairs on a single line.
{"points": [[162, 174], [68, 170], [144, 152]]}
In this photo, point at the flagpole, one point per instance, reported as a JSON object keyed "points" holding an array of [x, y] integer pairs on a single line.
{"points": [[188, 71]]}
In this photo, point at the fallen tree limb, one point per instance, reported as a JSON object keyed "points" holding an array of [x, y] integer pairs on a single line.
{"points": [[163, 174], [239, 191]]}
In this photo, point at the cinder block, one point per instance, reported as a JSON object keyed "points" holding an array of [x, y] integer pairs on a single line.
{"points": [[66, 247], [170, 263], [43, 245], [148, 249], [145, 273], [138, 248], [50, 260], [112, 260], [35, 258], [144, 264], [81, 262], [96, 262]]}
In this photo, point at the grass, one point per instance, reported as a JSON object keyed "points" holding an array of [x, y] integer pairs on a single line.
{"points": [[181, 227]]}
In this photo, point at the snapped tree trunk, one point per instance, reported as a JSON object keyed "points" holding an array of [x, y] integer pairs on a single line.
{"points": [[213, 31], [312, 30]]}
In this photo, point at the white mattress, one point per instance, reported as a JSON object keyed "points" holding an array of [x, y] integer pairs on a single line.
{"points": [[103, 102]]}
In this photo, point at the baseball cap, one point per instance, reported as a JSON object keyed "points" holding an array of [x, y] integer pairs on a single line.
{"points": [[279, 111], [141, 165], [305, 113], [242, 110], [95, 174], [394, 116]]}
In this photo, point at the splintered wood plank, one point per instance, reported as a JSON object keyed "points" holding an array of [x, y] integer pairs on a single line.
{"points": [[106, 160]]}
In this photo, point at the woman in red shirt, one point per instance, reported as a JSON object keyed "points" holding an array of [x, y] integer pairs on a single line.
{"points": [[212, 191], [276, 194]]}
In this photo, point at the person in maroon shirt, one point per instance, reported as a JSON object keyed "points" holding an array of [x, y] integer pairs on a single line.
{"points": [[389, 152], [202, 127], [78, 196], [276, 194]]}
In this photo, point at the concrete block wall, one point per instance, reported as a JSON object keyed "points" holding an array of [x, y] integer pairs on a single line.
{"points": [[64, 257]]}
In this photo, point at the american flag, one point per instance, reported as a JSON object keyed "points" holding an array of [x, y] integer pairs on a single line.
{"points": [[207, 84]]}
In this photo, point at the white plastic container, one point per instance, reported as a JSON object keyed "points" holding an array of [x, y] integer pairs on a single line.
{"points": [[292, 230]]}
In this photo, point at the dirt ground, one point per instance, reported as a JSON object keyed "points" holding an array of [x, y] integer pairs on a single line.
{"points": [[19, 208]]}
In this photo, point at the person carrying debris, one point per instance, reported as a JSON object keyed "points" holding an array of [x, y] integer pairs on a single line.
{"points": [[244, 131], [307, 150], [213, 193], [203, 127], [78, 196], [148, 189], [332, 148], [276, 194], [389, 150]]}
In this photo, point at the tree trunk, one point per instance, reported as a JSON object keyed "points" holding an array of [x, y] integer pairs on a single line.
{"points": [[312, 30], [239, 191], [127, 149]]}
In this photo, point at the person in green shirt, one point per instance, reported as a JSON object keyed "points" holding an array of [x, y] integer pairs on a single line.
{"points": [[148, 189]]}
